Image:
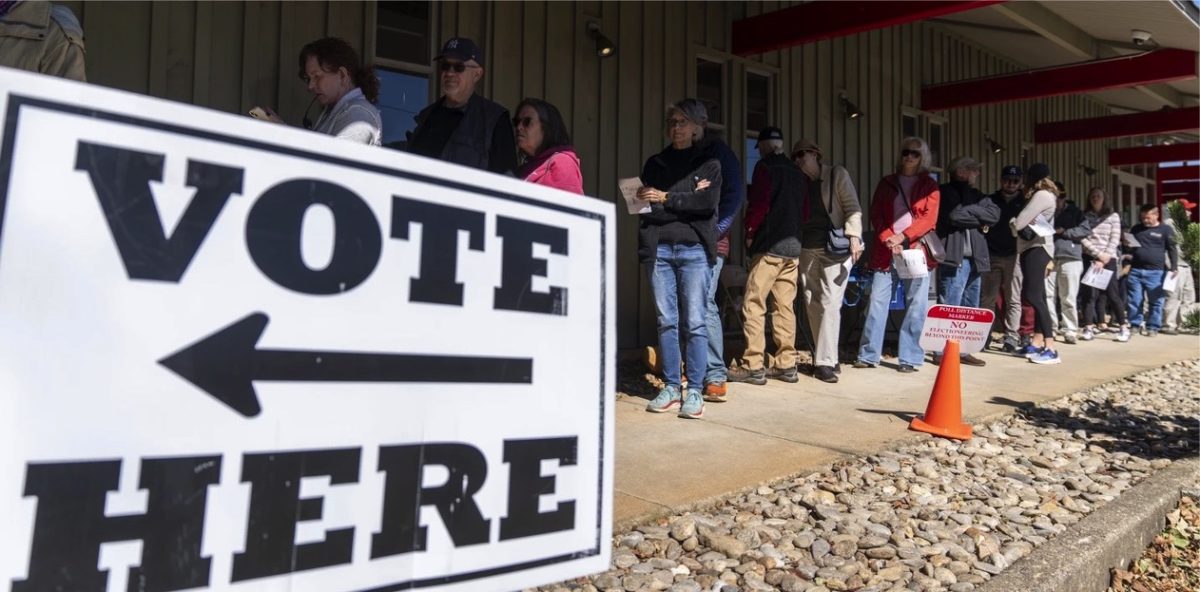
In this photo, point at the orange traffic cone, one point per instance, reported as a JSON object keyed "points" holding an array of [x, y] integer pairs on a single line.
{"points": [[943, 417]]}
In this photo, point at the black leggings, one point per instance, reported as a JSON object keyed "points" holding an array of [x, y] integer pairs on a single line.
{"points": [[1094, 300], [1033, 288]]}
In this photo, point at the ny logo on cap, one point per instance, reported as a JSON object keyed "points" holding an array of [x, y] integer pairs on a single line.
{"points": [[452, 44]]}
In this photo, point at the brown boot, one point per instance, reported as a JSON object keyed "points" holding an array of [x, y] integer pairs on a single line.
{"points": [[716, 392]]}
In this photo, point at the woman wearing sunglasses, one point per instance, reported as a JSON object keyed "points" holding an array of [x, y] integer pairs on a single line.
{"points": [[545, 147], [903, 210], [345, 88]]}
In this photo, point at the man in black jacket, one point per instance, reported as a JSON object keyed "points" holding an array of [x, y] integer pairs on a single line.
{"points": [[1002, 255], [1154, 257], [463, 127], [962, 213], [773, 213]]}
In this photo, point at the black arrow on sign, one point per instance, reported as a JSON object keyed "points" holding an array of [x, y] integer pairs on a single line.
{"points": [[226, 364]]}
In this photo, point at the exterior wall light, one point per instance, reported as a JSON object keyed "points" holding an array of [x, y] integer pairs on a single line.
{"points": [[993, 145], [849, 109], [604, 46]]}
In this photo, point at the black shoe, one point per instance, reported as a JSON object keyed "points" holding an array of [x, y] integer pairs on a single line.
{"points": [[837, 368], [748, 376], [906, 369], [862, 364], [1169, 332], [825, 374], [971, 360], [784, 374]]}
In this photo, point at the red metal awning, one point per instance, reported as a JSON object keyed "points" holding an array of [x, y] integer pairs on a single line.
{"points": [[1153, 67], [1153, 154], [826, 19], [1178, 173], [1115, 126]]}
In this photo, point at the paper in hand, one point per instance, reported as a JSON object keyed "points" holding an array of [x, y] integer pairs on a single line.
{"points": [[1170, 282], [629, 189]]}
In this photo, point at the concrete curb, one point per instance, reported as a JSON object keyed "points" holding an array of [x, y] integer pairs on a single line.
{"points": [[1082, 557]]}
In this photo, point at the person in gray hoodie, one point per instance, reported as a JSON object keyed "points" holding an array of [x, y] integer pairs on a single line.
{"points": [[1070, 229]]}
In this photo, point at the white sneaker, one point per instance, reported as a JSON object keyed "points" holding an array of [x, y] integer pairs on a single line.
{"points": [[1087, 334], [1124, 335]]}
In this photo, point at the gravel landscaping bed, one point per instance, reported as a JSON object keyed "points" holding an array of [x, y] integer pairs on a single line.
{"points": [[936, 515]]}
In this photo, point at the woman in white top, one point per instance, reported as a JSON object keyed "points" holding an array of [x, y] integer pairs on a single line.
{"points": [[1034, 229], [345, 88]]}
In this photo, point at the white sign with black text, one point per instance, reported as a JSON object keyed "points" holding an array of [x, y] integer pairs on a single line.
{"points": [[241, 356]]}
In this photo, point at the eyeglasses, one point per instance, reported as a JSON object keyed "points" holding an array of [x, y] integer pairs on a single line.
{"points": [[522, 121], [800, 153], [671, 123], [459, 67], [909, 152]]}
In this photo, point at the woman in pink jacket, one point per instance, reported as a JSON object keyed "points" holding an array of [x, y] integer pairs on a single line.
{"points": [[545, 147]]}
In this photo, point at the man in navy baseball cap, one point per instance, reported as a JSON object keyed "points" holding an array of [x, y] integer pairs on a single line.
{"points": [[463, 127], [1000, 282]]}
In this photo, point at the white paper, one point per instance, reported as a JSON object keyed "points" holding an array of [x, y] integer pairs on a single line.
{"points": [[1097, 278], [1170, 281], [1041, 227], [911, 264], [629, 188]]}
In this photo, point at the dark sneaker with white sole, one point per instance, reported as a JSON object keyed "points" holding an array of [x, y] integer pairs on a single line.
{"points": [[748, 376]]}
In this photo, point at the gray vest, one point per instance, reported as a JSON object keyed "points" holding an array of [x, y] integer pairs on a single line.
{"points": [[471, 143]]}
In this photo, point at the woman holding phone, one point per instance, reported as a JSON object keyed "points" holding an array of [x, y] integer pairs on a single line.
{"points": [[344, 87]]}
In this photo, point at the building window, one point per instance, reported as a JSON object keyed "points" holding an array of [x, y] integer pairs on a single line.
{"points": [[403, 52], [710, 89], [760, 112], [908, 125]]}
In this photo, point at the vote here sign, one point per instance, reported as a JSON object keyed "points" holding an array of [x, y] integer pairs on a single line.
{"points": [[242, 356]]}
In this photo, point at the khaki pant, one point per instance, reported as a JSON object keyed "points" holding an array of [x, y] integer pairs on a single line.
{"points": [[1004, 277], [1181, 301], [775, 276], [823, 284]]}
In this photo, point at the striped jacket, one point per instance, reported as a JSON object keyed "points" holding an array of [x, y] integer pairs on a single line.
{"points": [[1105, 236]]}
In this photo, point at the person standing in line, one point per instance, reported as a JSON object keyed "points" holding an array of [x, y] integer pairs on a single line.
{"points": [[545, 146], [733, 193], [903, 210], [1071, 227], [773, 236], [1101, 251], [346, 89], [462, 127], [1182, 299], [42, 37], [1154, 258], [962, 213], [1001, 281], [831, 205], [677, 243], [1034, 229]]}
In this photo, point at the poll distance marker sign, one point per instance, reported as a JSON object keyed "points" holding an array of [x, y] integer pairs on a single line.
{"points": [[242, 356]]}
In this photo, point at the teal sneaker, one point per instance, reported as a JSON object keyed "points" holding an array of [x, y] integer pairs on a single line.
{"points": [[667, 399], [693, 405]]}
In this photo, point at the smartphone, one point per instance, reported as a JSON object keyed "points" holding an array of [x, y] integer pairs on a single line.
{"points": [[258, 113]]}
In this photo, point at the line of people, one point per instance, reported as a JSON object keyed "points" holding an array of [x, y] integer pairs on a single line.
{"points": [[460, 127]]}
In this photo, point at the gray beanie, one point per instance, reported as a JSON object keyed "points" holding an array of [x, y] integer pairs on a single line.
{"points": [[693, 110]]}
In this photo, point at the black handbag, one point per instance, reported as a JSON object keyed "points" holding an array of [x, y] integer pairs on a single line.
{"points": [[837, 244]]}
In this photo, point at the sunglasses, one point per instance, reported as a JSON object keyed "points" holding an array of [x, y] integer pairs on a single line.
{"points": [[677, 123], [522, 121], [459, 67], [912, 153], [800, 153]]}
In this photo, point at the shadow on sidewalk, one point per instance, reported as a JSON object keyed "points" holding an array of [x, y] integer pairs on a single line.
{"points": [[1117, 428]]}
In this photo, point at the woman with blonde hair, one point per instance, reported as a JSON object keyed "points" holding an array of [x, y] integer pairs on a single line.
{"points": [[1034, 229], [1101, 250], [903, 210]]}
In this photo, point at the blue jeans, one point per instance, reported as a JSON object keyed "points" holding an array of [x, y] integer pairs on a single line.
{"points": [[959, 286], [1143, 283], [715, 373], [679, 279], [916, 296]]}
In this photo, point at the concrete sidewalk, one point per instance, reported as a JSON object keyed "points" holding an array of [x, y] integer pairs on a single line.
{"points": [[763, 433]]}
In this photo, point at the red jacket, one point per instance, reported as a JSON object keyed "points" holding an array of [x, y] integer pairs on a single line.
{"points": [[924, 205], [556, 167]]}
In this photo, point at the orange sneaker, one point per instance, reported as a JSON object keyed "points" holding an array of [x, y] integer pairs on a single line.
{"points": [[716, 392]]}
